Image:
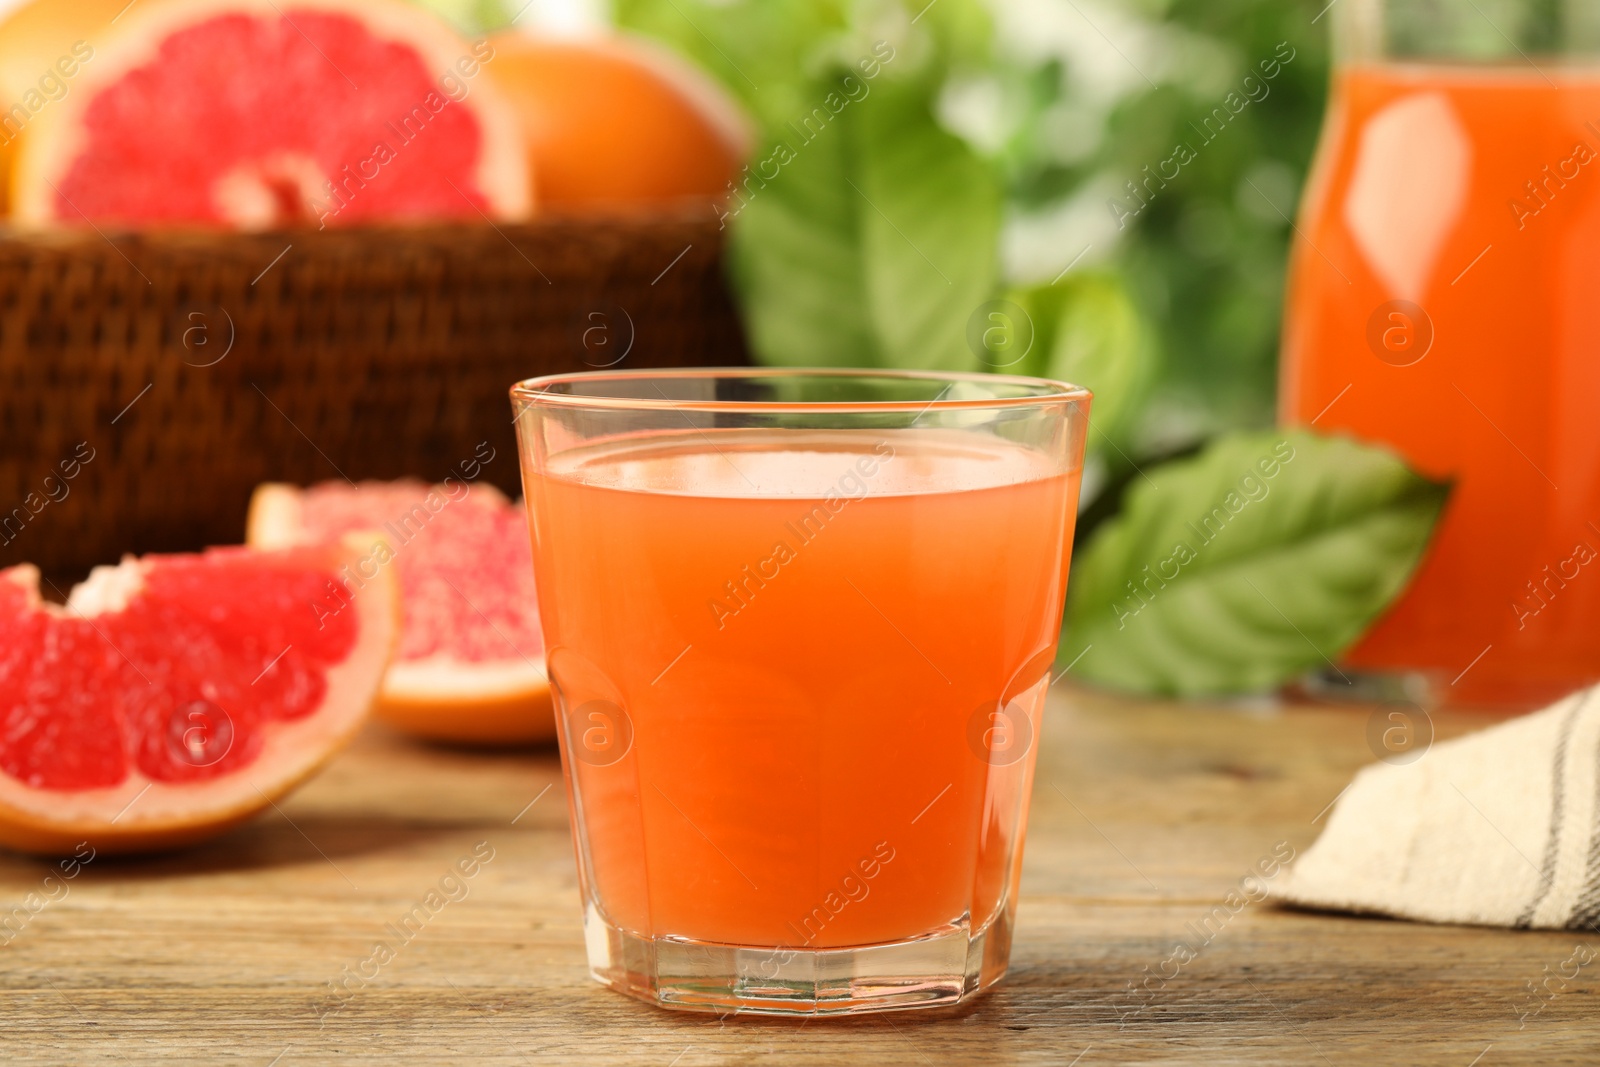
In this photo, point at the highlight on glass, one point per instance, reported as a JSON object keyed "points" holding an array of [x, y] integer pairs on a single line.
{"points": [[800, 627]]}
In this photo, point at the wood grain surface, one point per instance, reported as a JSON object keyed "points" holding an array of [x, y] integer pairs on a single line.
{"points": [[1144, 819]]}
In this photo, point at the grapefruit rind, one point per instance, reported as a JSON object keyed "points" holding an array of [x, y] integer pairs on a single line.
{"points": [[730, 121], [143, 815], [273, 520], [55, 137], [443, 699], [655, 129], [34, 37], [439, 698]]}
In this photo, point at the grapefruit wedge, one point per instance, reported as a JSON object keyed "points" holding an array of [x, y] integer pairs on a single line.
{"points": [[175, 696], [259, 114], [470, 666]]}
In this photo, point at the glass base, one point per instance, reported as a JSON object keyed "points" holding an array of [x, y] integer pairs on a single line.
{"points": [[943, 968]]}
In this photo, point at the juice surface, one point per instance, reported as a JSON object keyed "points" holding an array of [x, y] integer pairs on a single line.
{"points": [[1474, 195], [800, 629]]}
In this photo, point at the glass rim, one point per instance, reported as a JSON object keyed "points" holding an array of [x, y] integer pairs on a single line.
{"points": [[540, 390]]}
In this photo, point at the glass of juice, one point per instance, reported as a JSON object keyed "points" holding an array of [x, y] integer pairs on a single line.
{"points": [[1444, 299], [800, 627]]}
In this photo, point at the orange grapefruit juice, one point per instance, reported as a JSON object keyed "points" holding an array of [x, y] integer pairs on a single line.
{"points": [[1473, 195], [779, 656]]}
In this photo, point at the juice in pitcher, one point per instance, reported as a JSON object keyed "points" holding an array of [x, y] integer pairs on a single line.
{"points": [[1445, 300]]}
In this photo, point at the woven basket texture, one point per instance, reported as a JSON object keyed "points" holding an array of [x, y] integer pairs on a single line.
{"points": [[193, 366]]}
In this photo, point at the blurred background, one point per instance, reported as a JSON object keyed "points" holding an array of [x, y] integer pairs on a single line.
{"points": [[1069, 101], [1099, 191], [1094, 191]]}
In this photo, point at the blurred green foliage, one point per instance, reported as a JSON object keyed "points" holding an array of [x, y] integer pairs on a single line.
{"points": [[1066, 101], [474, 17], [1099, 191], [1129, 85], [1069, 100], [1207, 258]]}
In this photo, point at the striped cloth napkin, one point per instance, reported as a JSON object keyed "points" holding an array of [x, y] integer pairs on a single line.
{"points": [[1498, 828]]}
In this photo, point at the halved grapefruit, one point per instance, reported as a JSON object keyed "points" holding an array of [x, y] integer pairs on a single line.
{"points": [[616, 121], [258, 114], [470, 666], [175, 696]]}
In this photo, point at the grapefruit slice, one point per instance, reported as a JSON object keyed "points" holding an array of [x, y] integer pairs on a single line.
{"points": [[615, 122], [470, 666], [258, 114], [175, 696]]}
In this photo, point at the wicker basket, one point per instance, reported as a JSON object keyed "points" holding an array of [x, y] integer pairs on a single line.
{"points": [[196, 366]]}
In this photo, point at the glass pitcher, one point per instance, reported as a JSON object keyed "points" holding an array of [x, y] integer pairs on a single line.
{"points": [[1444, 299]]}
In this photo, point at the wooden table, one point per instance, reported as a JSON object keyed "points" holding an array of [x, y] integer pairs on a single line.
{"points": [[1144, 818]]}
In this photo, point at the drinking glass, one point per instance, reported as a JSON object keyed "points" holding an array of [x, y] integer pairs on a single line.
{"points": [[800, 627], [1442, 301]]}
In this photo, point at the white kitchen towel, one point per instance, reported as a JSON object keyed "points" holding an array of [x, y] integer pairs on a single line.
{"points": [[1498, 828]]}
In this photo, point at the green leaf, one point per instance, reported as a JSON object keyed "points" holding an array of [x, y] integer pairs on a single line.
{"points": [[870, 241], [930, 233], [795, 254], [1087, 331], [962, 31], [1267, 555], [771, 53], [765, 52]]}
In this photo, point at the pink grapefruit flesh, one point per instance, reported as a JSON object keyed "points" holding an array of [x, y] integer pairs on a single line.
{"points": [[256, 114], [175, 696], [470, 666]]}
